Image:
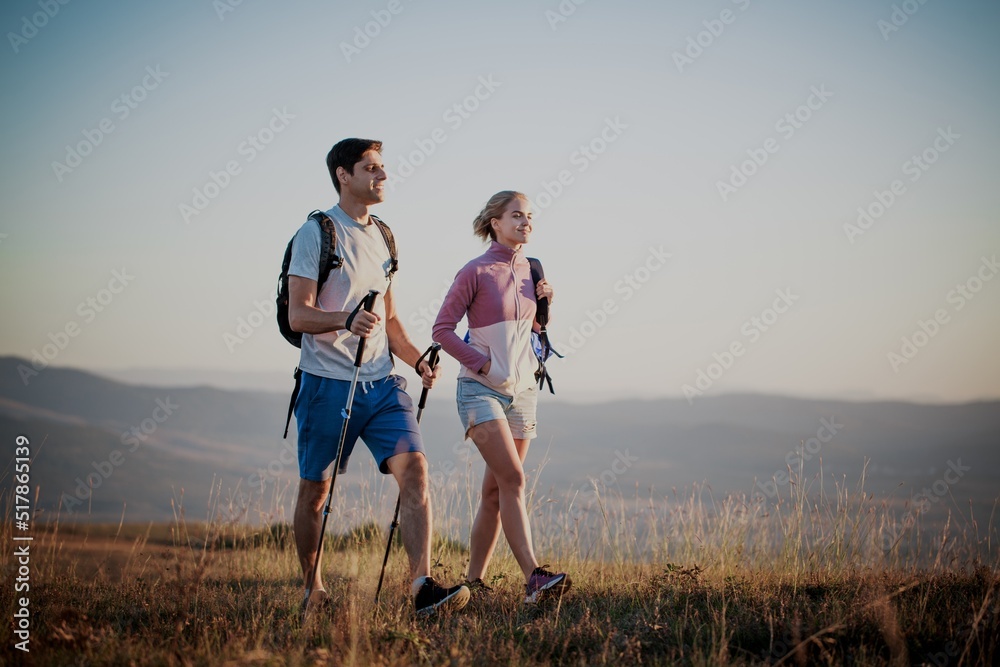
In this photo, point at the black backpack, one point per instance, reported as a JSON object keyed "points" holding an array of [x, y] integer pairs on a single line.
{"points": [[544, 348], [328, 261]]}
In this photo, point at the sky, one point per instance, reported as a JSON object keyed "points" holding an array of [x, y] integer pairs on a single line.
{"points": [[737, 195]]}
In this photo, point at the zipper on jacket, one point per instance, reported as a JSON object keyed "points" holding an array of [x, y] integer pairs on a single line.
{"points": [[517, 316]]}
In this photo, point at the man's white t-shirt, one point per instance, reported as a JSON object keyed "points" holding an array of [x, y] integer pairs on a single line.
{"points": [[366, 267]]}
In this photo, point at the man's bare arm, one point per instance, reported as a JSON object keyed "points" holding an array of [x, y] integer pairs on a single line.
{"points": [[305, 316]]}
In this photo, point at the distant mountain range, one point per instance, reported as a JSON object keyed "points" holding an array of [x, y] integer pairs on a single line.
{"points": [[267, 381], [140, 447]]}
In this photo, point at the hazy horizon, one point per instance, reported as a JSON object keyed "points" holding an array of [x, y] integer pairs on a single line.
{"points": [[281, 381]]}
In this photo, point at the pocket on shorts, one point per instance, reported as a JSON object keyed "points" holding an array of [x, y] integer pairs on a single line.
{"points": [[308, 391], [399, 381], [470, 389]]}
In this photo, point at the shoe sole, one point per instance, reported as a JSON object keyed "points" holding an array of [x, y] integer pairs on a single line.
{"points": [[456, 600], [556, 587]]}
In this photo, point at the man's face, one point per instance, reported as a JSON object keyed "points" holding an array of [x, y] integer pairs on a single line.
{"points": [[367, 183]]}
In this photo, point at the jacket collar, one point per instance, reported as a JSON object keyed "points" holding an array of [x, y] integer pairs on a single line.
{"points": [[501, 252]]}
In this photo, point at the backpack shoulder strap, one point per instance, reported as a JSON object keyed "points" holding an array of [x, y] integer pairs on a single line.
{"points": [[390, 242], [537, 274], [328, 257]]}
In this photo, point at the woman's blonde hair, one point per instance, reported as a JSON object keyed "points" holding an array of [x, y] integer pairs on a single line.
{"points": [[494, 208]]}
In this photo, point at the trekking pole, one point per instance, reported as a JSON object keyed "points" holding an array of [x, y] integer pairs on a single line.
{"points": [[367, 303], [432, 362]]}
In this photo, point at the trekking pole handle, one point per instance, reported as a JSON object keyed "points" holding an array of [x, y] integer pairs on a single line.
{"points": [[367, 303], [432, 361]]}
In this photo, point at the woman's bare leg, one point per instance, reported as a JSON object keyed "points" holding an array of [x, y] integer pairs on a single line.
{"points": [[496, 444], [486, 526]]}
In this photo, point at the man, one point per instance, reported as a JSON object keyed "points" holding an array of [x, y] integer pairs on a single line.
{"points": [[382, 413]]}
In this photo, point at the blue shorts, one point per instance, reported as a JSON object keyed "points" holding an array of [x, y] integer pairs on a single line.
{"points": [[477, 403], [382, 416]]}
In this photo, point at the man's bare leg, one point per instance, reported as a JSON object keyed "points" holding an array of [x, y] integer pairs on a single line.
{"points": [[410, 471], [306, 525]]}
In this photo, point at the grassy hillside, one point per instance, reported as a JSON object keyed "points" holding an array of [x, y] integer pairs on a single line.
{"points": [[836, 563], [815, 579]]}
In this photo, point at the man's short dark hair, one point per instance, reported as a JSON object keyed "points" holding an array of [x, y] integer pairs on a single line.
{"points": [[348, 153]]}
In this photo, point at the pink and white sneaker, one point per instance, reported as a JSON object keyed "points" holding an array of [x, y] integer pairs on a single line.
{"points": [[543, 584]]}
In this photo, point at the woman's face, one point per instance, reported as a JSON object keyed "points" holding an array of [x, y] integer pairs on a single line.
{"points": [[513, 228]]}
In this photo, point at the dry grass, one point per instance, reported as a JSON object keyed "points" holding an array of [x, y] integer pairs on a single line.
{"points": [[811, 579]]}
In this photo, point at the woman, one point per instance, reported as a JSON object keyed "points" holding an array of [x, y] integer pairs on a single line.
{"points": [[496, 385]]}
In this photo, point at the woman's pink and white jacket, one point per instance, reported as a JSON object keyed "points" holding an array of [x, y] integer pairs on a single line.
{"points": [[497, 294]]}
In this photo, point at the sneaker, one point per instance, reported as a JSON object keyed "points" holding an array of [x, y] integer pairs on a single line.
{"points": [[542, 584], [477, 588], [431, 596]]}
